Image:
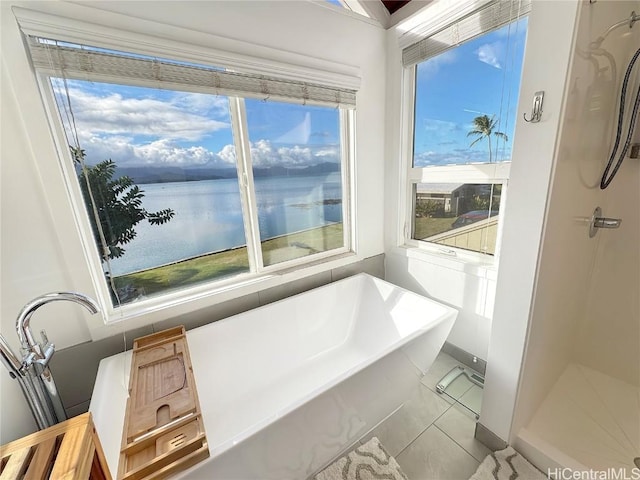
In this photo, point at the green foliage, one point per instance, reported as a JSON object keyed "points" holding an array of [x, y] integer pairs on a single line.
{"points": [[478, 202], [429, 208], [118, 203], [483, 127], [222, 264]]}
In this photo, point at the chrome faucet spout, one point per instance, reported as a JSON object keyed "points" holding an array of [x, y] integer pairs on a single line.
{"points": [[33, 373], [24, 317]]}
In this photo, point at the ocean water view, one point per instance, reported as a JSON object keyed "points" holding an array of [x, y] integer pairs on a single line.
{"points": [[208, 216]]}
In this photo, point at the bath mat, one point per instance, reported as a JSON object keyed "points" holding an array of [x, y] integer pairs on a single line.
{"points": [[507, 464], [366, 462]]}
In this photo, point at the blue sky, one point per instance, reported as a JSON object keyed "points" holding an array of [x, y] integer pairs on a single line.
{"points": [[137, 126], [480, 77]]}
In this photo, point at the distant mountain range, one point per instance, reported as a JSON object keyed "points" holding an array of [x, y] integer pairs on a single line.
{"points": [[143, 175]]}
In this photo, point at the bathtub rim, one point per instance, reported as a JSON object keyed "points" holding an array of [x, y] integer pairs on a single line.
{"points": [[122, 362]]}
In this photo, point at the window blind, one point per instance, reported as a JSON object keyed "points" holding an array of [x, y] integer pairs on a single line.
{"points": [[76, 61], [487, 18]]}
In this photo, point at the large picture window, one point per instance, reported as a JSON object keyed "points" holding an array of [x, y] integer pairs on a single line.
{"points": [[198, 174], [466, 85]]}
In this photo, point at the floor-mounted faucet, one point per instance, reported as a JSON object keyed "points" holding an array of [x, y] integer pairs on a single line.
{"points": [[32, 372]]}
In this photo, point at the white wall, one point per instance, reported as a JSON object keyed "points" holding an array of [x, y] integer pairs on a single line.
{"points": [[468, 287], [40, 247], [573, 318], [549, 47], [609, 333], [494, 314]]}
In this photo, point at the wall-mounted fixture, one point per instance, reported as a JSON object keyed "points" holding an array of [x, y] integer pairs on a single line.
{"points": [[612, 165], [536, 109], [598, 221]]}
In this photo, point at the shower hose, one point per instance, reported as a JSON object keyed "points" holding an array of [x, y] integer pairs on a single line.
{"points": [[606, 176]]}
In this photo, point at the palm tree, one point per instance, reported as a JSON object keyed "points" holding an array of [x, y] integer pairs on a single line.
{"points": [[483, 128]]}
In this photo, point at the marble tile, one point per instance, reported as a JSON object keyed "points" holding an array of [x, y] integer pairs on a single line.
{"points": [[433, 455], [459, 424], [472, 399], [441, 366], [458, 388], [401, 428]]}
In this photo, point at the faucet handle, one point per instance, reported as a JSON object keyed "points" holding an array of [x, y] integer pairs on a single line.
{"points": [[48, 350]]}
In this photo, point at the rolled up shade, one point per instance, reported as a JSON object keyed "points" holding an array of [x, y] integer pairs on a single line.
{"points": [[80, 62], [487, 18]]}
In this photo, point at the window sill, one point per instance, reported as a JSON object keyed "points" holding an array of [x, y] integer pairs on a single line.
{"points": [[157, 309], [462, 261]]}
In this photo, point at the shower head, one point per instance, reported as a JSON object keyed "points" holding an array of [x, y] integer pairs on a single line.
{"points": [[633, 18]]}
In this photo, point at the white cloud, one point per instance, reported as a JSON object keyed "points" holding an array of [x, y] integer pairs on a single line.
{"points": [[435, 125], [328, 154], [432, 66], [263, 154], [115, 115], [228, 154], [457, 156], [211, 105], [165, 153], [169, 131], [490, 53]]}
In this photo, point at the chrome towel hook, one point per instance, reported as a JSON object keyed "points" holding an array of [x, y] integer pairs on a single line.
{"points": [[536, 110]]}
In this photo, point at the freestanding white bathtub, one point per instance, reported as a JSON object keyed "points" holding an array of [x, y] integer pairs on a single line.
{"points": [[286, 387]]}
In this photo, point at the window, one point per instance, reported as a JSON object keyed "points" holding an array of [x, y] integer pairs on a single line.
{"points": [[458, 215], [466, 79], [187, 174], [297, 177]]}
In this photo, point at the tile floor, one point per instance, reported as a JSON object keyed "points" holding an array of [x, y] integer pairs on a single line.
{"points": [[431, 436]]}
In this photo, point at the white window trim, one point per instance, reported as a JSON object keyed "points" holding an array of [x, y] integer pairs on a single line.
{"points": [[467, 173], [496, 173], [297, 67], [230, 53], [247, 186]]}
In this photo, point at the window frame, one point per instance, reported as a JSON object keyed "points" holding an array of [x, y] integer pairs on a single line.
{"points": [[472, 173], [115, 313]]}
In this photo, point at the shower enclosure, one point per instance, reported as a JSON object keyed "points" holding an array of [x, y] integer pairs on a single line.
{"points": [[579, 398]]}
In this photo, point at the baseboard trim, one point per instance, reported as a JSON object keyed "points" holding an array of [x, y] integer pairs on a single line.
{"points": [[471, 361], [488, 438]]}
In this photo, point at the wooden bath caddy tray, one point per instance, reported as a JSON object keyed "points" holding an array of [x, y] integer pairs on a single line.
{"points": [[163, 431]]}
